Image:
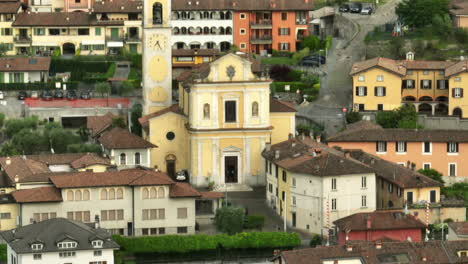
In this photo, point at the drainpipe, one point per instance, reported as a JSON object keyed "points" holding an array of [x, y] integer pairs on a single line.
{"points": [[133, 210]]}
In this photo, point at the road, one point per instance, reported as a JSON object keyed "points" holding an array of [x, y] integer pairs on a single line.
{"points": [[336, 84]]}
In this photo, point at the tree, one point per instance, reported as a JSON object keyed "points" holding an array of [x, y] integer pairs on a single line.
{"points": [[403, 117], [13, 126], [433, 174], [3, 49], [421, 13], [60, 138], [315, 241], [353, 117], [136, 113], [229, 219], [81, 148], [29, 141], [9, 149], [396, 47], [126, 88], [103, 88], [2, 119], [280, 73], [118, 122], [312, 42]]}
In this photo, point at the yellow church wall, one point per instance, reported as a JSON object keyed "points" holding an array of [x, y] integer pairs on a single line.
{"points": [[228, 96], [207, 160], [283, 124], [159, 127], [255, 156], [240, 66]]}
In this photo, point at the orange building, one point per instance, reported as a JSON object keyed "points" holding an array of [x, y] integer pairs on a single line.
{"points": [[443, 150]]}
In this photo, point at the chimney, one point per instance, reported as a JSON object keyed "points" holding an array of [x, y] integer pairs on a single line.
{"points": [[302, 136], [277, 154], [156, 168], [416, 215], [347, 154], [290, 136], [293, 142], [8, 161], [96, 222], [410, 56], [378, 245], [369, 222], [17, 184], [423, 259], [317, 138], [349, 248]]}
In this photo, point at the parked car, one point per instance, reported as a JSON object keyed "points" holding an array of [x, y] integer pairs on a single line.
{"points": [[318, 57], [85, 95], [71, 95], [58, 94], [366, 10], [310, 62], [355, 8], [47, 96], [344, 8], [22, 95]]}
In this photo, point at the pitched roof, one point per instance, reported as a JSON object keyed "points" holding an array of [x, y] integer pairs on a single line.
{"points": [[118, 6], [459, 7], [434, 251], [119, 138], [144, 120], [183, 190], [388, 64], [457, 68], [97, 124], [373, 134], [51, 231], [9, 7], [243, 5], [309, 157], [130, 177], [75, 160], [37, 195], [378, 221], [60, 19], [460, 228], [21, 167], [399, 175], [280, 106], [24, 64]]}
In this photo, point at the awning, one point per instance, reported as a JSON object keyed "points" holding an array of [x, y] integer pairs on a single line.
{"points": [[93, 42], [115, 44], [315, 21], [45, 44]]}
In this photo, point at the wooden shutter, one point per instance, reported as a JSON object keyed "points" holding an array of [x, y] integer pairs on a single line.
{"points": [[461, 92], [448, 146], [375, 91], [22, 77], [446, 84], [279, 31], [404, 84], [430, 84], [2, 77], [421, 84], [365, 90], [357, 90], [384, 91], [377, 146], [405, 145]]}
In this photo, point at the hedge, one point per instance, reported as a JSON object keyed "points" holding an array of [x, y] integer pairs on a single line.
{"points": [[294, 86], [3, 252], [254, 222], [34, 86], [200, 242], [78, 67]]}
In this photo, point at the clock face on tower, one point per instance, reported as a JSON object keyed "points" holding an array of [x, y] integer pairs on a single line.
{"points": [[157, 42]]}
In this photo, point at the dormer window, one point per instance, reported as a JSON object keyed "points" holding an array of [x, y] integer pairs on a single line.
{"points": [[65, 245], [97, 243], [37, 246]]}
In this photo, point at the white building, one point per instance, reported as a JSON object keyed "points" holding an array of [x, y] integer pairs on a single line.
{"points": [[316, 185], [59, 241], [24, 70]]}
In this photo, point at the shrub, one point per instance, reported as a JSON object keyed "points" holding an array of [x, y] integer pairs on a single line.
{"points": [[298, 56], [315, 241], [293, 86], [254, 222], [229, 219], [37, 86], [136, 113], [80, 148], [13, 126], [280, 73], [312, 42], [3, 252], [353, 117], [303, 129]]}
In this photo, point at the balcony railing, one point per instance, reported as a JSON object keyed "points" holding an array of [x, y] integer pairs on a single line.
{"points": [[22, 39], [115, 38], [132, 38], [261, 39], [262, 24]]}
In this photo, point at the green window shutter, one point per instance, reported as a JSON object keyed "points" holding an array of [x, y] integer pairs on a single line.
{"points": [[2, 77], [11, 77], [3, 32], [22, 77], [98, 31]]}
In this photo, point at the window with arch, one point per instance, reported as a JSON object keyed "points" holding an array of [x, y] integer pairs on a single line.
{"points": [[206, 111], [86, 195], [103, 194], [161, 193], [206, 15], [145, 193], [153, 193], [119, 194], [78, 196], [254, 109], [157, 14], [70, 195], [228, 31], [111, 194], [137, 158], [123, 159]]}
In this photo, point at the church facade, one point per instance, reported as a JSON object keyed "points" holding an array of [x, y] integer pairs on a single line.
{"points": [[224, 117]]}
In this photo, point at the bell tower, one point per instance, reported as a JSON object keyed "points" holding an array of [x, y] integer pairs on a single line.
{"points": [[157, 60]]}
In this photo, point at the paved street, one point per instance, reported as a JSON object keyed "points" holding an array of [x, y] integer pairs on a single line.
{"points": [[336, 84]]}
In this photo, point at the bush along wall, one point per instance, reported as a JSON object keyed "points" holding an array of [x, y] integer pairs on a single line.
{"points": [[34, 86]]}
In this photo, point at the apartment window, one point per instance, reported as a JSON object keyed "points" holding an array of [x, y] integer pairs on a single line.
{"points": [[426, 84], [270, 188], [457, 79], [184, 59], [67, 245], [54, 31], [97, 31], [363, 201], [284, 176], [408, 84], [230, 111], [452, 147], [243, 45], [83, 31], [123, 159], [398, 191], [97, 253], [37, 256], [242, 31], [379, 107], [381, 146], [284, 46], [380, 91], [294, 182], [39, 31], [426, 72], [452, 169], [457, 92], [361, 78], [181, 213], [97, 243], [401, 147], [284, 16], [427, 147], [182, 230], [283, 31], [37, 246], [380, 78], [333, 183], [409, 197], [112, 215], [426, 166], [276, 171], [361, 91], [67, 254], [361, 107], [242, 15], [390, 187], [5, 215], [333, 204], [364, 182], [442, 84], [432, 196]]}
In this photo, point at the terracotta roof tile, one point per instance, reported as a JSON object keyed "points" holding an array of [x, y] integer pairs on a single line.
{"points": [[9, 7], [182, 189], [388, 64], [456, 68], [144, 120], [212, 195], [36, 195], [281, 106], [379, 221], [460, 228], [119, 138], [75, 160], [89, 159], [23, 168], [118, 6], [97, 124], [60, 19], [24, 64]]}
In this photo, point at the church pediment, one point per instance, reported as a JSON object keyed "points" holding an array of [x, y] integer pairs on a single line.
{"points": [[231, 149]]}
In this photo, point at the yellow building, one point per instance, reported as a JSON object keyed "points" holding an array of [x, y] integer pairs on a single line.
{"points": [[433, 87]]}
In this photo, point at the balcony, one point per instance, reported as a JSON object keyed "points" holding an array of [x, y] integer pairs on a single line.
{"points": [[262, 24], [132, 38], [22, 39], [114, 38], [261, 40]]}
